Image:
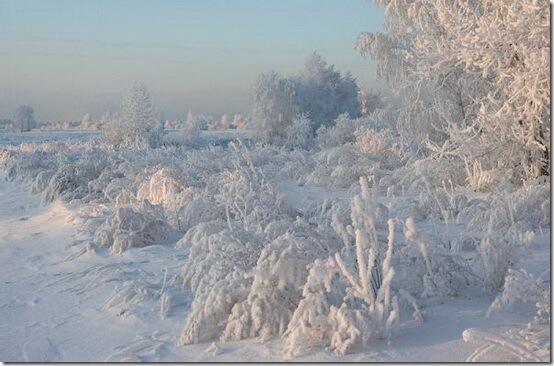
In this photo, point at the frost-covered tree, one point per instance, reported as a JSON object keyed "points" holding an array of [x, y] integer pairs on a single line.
{"points": [[324, 93], [24, 119], [239, 121], [86, 121], [191, 129], [137, 123], [369, 101], [225, 122], [273, 105], [472, 77], [319, 92]]}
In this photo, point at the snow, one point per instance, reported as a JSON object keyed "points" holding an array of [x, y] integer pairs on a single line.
{"points": [[320, 229], [220, 137], [52, 309], [38, 136]]}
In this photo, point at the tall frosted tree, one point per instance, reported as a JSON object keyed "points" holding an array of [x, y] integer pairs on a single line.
{"points": [[24, 118], [319, 93], [473, 79], [324, 93], [137, 124]]}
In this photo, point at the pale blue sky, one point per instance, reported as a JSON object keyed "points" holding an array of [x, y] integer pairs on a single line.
{"points": [[68, 57]]}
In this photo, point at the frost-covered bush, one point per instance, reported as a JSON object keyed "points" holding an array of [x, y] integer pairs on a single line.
{"points": [[280, 273], [210, 308], [342, 166], [128, 227], [246, 195], [167, 188], [70, 181], [368, 310], [199, 210], [217, 265], [352, 148], [531, 204], [430, 269], [215, 251], [21, 165], [298, 134], [521, 290], [498, 252], [249, 204], [309, 325], [340, 133], [107, 177]]}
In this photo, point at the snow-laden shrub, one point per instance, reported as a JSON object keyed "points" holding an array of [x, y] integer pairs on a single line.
{"points": [[296, 165], [70, 181], [217, 265], [100, 184], [381, 145], [246, 195], [131, 227], [41, 181], [198, 210], [498, 252], [340, 133], [280, 273], [429, 269], [521, 291], [211, 307], [422, 175], [162, 188], [531, 204], [445, 202], [21, 165], [342, 166], [309, 325], [353, 148], [368, 310], [298, 135], [481, 180], [212, 255]]}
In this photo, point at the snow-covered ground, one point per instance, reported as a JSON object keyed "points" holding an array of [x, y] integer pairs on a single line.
{"points": [[38, 136], [54, 296]]}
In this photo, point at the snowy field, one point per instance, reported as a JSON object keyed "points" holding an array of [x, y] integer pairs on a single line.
{"points": [[70, 294], [329, 220], [38, 136]]}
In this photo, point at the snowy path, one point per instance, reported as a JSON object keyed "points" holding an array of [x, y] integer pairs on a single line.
{"points": [[53, 309]]}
